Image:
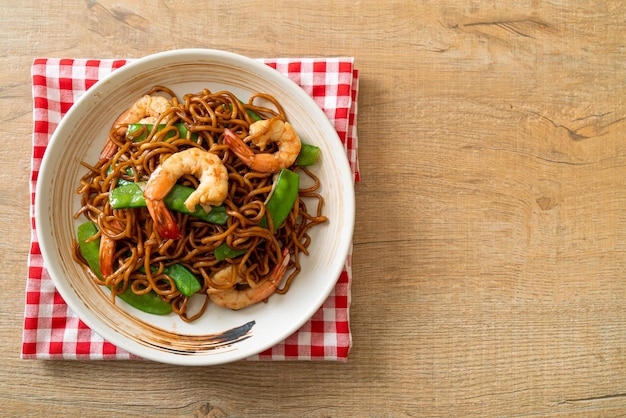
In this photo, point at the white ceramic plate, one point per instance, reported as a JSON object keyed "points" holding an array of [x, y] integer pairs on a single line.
{"points": [[221, 335]]}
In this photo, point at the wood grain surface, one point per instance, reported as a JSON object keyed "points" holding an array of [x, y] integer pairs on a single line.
{"points": [[490, 239]]}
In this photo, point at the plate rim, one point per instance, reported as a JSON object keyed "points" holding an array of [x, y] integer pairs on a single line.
{"points": [[47, 168]]}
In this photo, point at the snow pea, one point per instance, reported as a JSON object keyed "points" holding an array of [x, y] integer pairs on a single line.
{"points": [[223, 251], [279, 205], [283, 197], [148, 302], [186, 282], [131, 196], [90, 250], [121, 181], [308, 155], [139, 131], [253, 115]]}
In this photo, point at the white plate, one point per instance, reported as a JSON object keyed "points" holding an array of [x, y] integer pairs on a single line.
{"points": [[221, 335]]}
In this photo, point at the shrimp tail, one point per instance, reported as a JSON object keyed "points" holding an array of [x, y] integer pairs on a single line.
{"points": [[238, 299], [241, 150], [268, 288], [109, 150], [107, 249], [105, 256], [164, 222], [279, 271]]}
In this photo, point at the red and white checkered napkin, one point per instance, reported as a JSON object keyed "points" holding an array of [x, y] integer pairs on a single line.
{"points": [[52, 331]]}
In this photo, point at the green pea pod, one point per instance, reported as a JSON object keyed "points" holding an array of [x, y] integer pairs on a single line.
{"points": [[127, 196], [279, 205], [308, 155], [149, 302], [120, 181], [253, 115], [90, 250], [186, 282], [175, 200], [131, 196], [138, 131], [283, 198], [223, 251]]}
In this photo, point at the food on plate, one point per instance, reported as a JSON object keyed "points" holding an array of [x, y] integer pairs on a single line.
{"points": [[202, 197]]}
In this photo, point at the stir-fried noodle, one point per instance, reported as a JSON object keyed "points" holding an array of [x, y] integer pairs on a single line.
{"points": [[141, 253]]}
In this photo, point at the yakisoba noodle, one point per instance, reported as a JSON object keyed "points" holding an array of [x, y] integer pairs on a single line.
{"points": [[140, 253]]}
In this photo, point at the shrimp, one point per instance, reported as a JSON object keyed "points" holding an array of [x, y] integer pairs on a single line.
{"points": [[238, 299], [145, 110], [107, 250], [261, 134], [211, 191]]}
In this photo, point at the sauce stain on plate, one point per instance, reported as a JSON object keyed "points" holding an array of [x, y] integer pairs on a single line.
{"points": [[196, 344]]}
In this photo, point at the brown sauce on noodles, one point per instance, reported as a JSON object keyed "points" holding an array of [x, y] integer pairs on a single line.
{"points": [[137, 244]]}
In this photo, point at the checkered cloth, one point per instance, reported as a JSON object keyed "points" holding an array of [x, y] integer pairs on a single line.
{"points": [[53, 331]]}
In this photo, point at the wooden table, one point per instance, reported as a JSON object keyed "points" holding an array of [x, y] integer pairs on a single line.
{"points": [[490, 240]]}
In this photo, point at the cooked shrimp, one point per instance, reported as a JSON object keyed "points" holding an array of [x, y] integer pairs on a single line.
{"points": [[107, 250], [145, 110], [239, 299], [262, 133], [211, 191]]}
